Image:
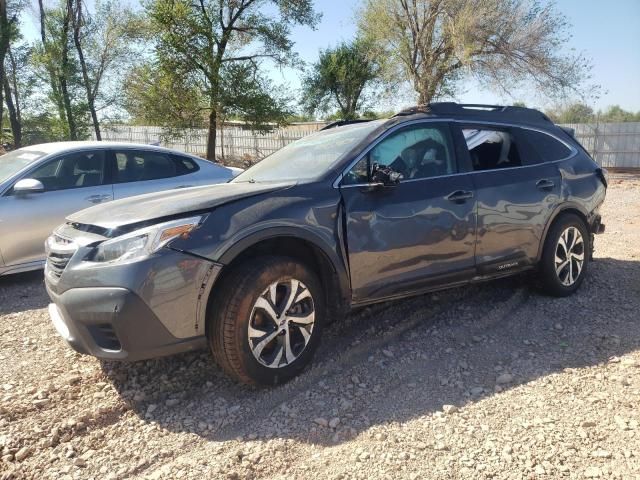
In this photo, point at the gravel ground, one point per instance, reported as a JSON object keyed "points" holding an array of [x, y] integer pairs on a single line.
{"points": [[490, 381]]}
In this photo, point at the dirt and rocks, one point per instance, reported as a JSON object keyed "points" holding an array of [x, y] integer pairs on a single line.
{"points": [[490, 381]]}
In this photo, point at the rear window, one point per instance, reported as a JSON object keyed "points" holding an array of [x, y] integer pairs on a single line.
{"points": [[544, 148]]}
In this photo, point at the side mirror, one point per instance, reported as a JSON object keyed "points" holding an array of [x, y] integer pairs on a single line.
{"points": [[387, 176], [28, 185]]}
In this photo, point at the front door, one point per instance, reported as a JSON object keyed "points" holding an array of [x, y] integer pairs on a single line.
{"points": [[418, 233], [72, 182]]}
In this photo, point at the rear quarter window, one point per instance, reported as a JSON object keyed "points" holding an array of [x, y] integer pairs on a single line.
{"points": [[184, 165], [544, 148]]}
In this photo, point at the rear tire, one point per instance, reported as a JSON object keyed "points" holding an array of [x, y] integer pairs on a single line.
{"points": [[565, 257], [266, 321]]}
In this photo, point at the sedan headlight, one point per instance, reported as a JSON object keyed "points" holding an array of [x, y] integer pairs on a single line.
{"points": [[142, 243]]}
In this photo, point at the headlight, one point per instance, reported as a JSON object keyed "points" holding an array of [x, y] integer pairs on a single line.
{"points": [[142, 243]]}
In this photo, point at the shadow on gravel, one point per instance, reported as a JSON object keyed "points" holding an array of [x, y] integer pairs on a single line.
{"points": [[22, 291], [397, 361]]}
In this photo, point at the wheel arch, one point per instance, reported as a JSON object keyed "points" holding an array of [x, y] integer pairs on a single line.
{"points": [[301, 245], [565, 209]]}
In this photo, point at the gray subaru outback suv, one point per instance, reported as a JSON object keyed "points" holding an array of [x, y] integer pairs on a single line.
{"points": [[358, 213]]}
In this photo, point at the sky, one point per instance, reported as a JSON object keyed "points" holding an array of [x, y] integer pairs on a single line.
{"points": [[606, 32]]}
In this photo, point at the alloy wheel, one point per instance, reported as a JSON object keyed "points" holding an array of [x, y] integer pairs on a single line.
{"points": [[569, 258], [281, 323]]}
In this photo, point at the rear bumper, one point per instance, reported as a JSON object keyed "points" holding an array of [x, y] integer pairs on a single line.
{"points": [[115, 324]]}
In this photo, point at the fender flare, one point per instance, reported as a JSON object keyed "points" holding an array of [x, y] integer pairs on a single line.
{"points": [[559, 210]]}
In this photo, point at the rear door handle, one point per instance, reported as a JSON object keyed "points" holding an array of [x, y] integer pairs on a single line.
{"points": [[545, 184], [98, 198], [184, 186], [459, 196]]}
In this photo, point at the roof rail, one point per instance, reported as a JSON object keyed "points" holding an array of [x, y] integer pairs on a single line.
{"points": [[478, 109], [340, 123]]}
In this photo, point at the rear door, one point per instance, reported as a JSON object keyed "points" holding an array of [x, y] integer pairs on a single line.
{"points": [[145, 171], [418, 233], [72, 182], [517, 191]]}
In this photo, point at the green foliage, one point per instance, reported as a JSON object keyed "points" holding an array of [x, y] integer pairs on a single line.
{"points": [[617, 114], [216, 48], [572, 113], [580, 113], [340, 79]]}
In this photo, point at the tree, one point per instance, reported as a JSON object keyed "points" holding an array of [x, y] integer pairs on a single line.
{"points": [[53, 57], [202, 41], [615, 113], [8, 33], [339, 79], [435, 43], [104, 43], [573, 113]]}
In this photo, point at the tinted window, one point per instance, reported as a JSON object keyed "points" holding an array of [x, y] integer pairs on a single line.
{"points": [[184, 165], [75, 170], [415, 152], [543, 147], [492, 149], [138, 166]]}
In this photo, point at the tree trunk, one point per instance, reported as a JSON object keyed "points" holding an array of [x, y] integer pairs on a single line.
{"points": [[66, 98], [14, 87], [77, 20], [16, 127], [55, 89], [211, 138], [4, 46]]}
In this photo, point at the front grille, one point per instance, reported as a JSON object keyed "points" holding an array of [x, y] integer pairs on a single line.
{"points": [[59, 253], [57, 262]]}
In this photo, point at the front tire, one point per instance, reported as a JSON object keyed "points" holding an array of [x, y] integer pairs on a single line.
{"points": [[266, 321], [565, 257]]}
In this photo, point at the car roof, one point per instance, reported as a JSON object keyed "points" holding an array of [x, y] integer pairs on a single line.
{"points": [[57, 147], [477, 112]]}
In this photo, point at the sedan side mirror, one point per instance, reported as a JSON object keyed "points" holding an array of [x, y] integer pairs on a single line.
{"points": [[28, 185]]}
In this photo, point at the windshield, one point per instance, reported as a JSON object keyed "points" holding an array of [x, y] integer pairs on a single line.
{"points": [[309, 157], [12, 162]]}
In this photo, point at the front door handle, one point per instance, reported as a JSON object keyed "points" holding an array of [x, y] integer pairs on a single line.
{"points": [[98, 198], [459, 196], [545, 184]]}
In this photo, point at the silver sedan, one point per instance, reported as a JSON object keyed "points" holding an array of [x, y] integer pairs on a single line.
{"points": [[42, 184]]}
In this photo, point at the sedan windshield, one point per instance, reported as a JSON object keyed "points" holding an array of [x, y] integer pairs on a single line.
{"points": [[309, 157], [12, 162]]}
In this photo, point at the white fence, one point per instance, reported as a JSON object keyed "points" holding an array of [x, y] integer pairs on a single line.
{"points": [[232, 141], [610, 144]]}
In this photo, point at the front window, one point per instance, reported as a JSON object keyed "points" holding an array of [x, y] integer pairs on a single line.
{"points": [[12, 162], [416, 152], [310, 157]]}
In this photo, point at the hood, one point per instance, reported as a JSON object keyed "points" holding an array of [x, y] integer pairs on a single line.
{"points": [[169, 203]]}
